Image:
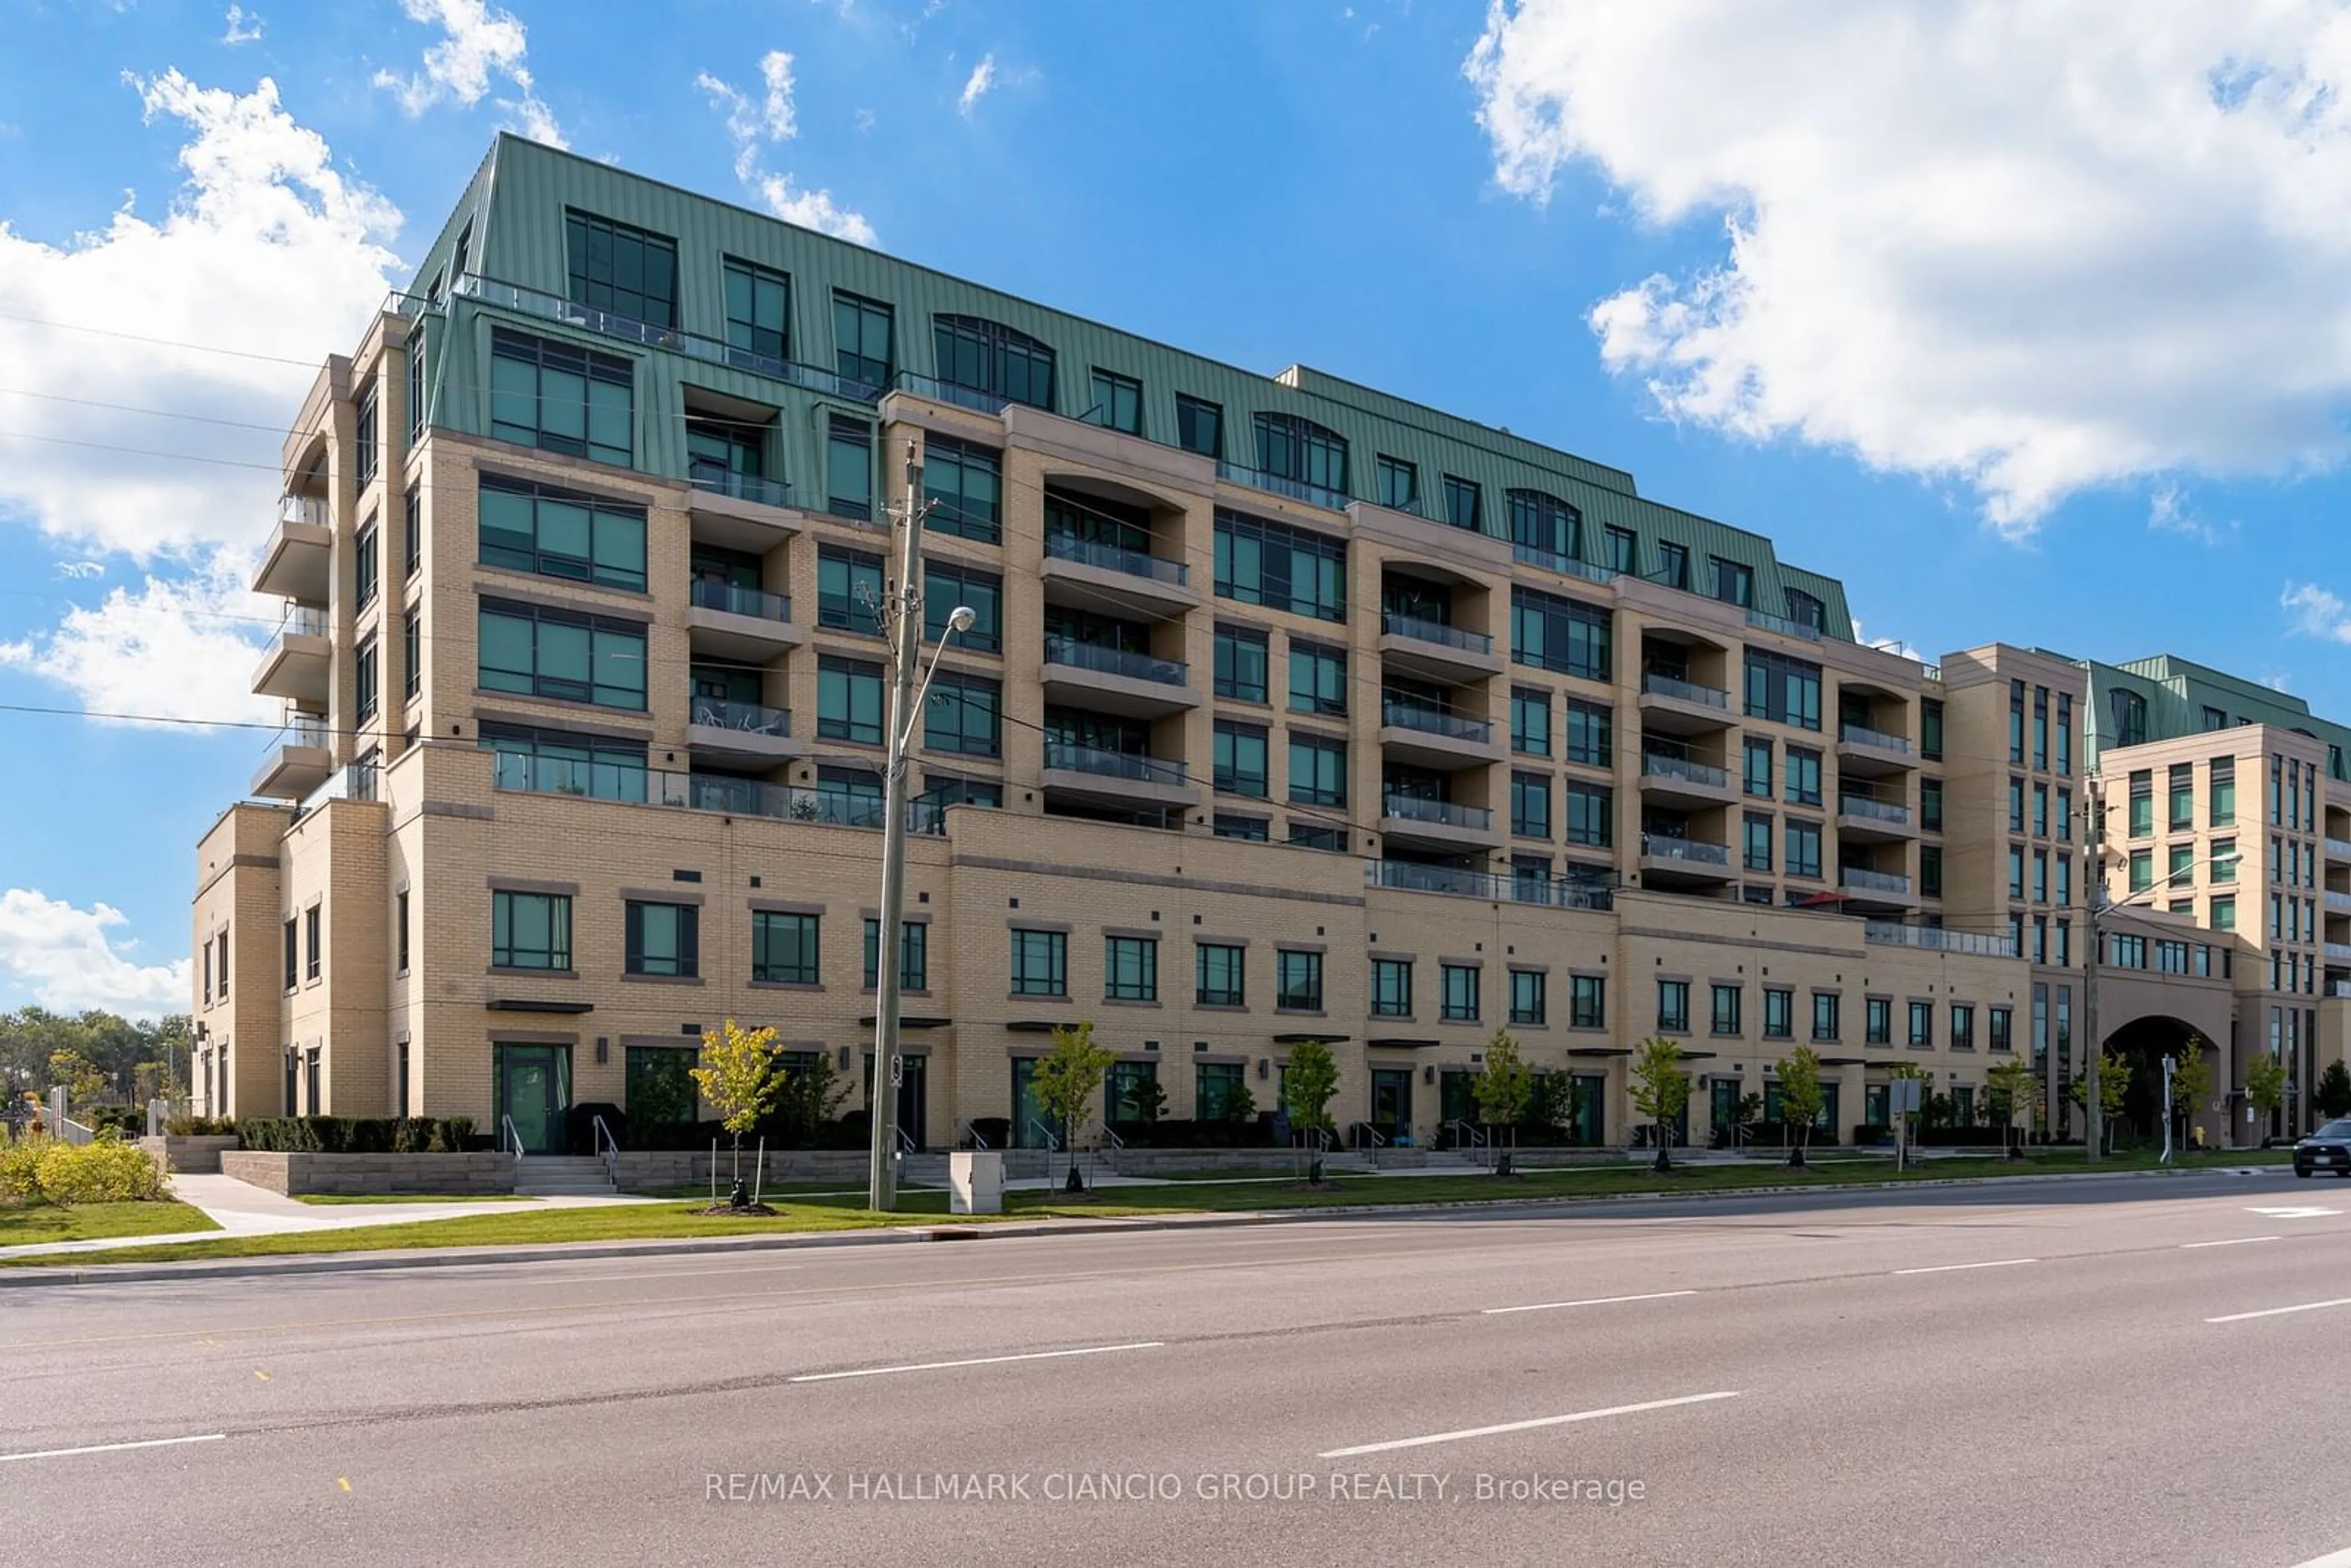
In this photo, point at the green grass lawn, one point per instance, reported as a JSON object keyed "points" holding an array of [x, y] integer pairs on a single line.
{"points": [[772, 1190], [41, 1223], [330, 1199]]}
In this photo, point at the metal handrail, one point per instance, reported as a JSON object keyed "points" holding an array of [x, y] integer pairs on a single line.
{"points": [[1052, 1137], [513, 1138], [905, 1141], [973, 1134], [607, 1146]]}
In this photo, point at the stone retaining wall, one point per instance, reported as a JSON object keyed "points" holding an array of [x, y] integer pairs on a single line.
{"points": [[363, 1175], [641, 1168], [179, 1153]]}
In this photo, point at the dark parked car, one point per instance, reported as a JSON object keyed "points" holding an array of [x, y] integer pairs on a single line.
{"points": [[2328, 1149]]}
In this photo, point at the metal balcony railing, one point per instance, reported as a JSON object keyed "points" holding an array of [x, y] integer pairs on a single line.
{"points": [[1552, 892], [746, 718], [962, 396], [310, 509], [1868, 880], [1565, 565], [302, 621], [1070, 756], [1876, 739], [1936, 939], [1697, 851], [2338, 849], [1876, 810], [1070, 652], [713, 593], [622, 782], [719, 480], [1686, 691], [2338, 952], [2339, 900], [1657, 765], [1420, 630], [1783, 625], [1111, 558], [353, 782], [1280, 485], [1444, 813], [1428, 720]]}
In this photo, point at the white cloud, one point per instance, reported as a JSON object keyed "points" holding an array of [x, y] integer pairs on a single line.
{"points": [[181, 648], [1885, 644], [865, 121], [2316, 612], [242, 28], [1999, 242], [976, 86], [2277, 683], [67, 959], [476, 42], [753, 127], [2168, 512], [81, 570]]}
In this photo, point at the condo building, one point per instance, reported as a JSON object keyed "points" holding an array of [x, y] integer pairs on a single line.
{"points": [[1289, 710]]}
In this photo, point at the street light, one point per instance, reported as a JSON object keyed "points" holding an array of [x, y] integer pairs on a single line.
{"points": [[2099, 905], [900, 614]]}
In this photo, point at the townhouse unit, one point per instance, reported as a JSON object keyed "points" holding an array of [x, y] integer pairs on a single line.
{"points": [[1288, 710]]}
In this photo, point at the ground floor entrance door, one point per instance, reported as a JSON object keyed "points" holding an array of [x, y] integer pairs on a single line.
{"points": [[533, 1090], [1588, 1116], [1392, 1101], [1029, 1128], [1456, 1101], [910, 1097]]}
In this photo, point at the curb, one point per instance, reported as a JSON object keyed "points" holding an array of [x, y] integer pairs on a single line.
{"points": [[28, 1275]]}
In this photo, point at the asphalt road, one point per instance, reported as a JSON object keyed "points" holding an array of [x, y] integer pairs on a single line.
{"points": [[1976, 1376]]}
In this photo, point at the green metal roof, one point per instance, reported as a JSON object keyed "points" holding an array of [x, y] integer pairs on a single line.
{"points": [[2177, 692]]}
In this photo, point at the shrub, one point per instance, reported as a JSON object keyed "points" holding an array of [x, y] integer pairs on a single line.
{"points": [[20, 1167], [357, 1135], [996, 1132], [128, 1120], [48, 1170], [199, 1126]]}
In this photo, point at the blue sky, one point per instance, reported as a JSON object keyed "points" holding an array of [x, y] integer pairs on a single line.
{"points": [[2057, 368]]}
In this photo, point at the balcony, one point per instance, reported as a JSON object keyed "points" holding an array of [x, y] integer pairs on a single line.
{"points": [[1435, 652], [1667, 862], [2338, 902], [739, 732], [2338, 952], [626, 330], [750, 625], [1764, 621], [1673, 707], [739, 511], [704, 792], [300, 663], [1872, 754], [1685, 782], [299, 562], [298, 764], [1934, 939], [2338, 849], [1111, 680], [1440, 825], [1434, 737], [1411, 876], [1864, 886], [1565, 565], [931, 389], [1094, 576], [1278, 485], [1864, 820], [1093, 774]]}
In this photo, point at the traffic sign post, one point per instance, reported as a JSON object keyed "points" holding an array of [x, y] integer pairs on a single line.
{"points": [[1901, 1103]]}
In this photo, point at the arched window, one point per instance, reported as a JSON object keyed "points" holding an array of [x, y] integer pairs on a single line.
{"points": [[992, 358], [1299, 449], [1806, 610], [1540, 521]]}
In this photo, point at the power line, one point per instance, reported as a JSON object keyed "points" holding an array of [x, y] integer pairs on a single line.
{"points": [[311, 365]]}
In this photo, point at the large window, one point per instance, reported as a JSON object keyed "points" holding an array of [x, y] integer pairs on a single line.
{"points": [[988, 357], [1543, 522], [1828, 1009], [1922, 1024], [365, 557], [660, 1086], [1530, 805], [1727, 1001], [965, 714], [946, 585], [1459, 1002], [849, 700], [412, 537], [914, 955], [1298, 981], [1673, 1006], [1587, 1001], [1392, 988], [2221, 805], [412, 649], [849, 467], [367, 443], [1591, 814], [663, 939], [1783, 690], [1240, 759], [1040, 964], [1527, 999], [1117, 401], [1300, 450], [556, 762], [1530, 722], [1220, 974], [1216, 1089], [965, 485], [758, 310], [848, 590], [1562, 635], [1199, 427], [1318, 678], [1461, 504], [1318, 770], [1259, 562], [1804, 857], [625, 270], [1803, 776], [562, 399], [784, 948], [1779, 1013], [1399, 484], [1130, 968], [860, 338], [558, 533], [1241, 663], [530, 931], [365, 677], [418, 367], [561, 654], [1591, 734]]}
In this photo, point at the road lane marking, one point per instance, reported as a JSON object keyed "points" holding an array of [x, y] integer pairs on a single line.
{"points": [[1524, 1426], [977, 1361], [1953, 1268], [2299, 1211], [1591, 1302], [2282, 1312], [2232, 1242], [2332, 1560], [114, 1448]]}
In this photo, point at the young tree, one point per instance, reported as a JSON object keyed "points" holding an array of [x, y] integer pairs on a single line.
{"points": [[1661, 1091], [2009, 1088], [1064, 1082], [1800, 1096], [1307, 1089], [737, 1073], [2333, 1095], [83, 1080], [805, 1098], [1238, 1105], [2191, 1085], [2114, 1086], [2265, 1085], [1503, 1089]]}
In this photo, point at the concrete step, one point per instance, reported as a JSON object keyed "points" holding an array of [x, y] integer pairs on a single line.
{"points": [[562, 1176]]}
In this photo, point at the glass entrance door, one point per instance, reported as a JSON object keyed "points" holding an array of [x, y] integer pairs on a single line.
{"points": [[1391, 1101], [1028, 1115], [533, 1091], [910, 1097]]}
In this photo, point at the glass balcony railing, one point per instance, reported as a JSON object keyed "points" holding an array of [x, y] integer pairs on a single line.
{"points": [[1876, 739], [1111, 558], [1934, 938], [1430, 720], [713, 593], [1074, 654], [1863, 880], [1685, 691], [1556, 893], [949, 392], [1783, 625], [716, 479], [1442, 813], [1694, 852], [1565, 565], [1657, 765], [2338, 952], [305, 730], [626, 784], [353, 782], [745, 719], [611, 324], [1280, 485], [310, 509], [1070, 756], [1420, 630], [302, 621], [1875, 810], [2338, 849]]}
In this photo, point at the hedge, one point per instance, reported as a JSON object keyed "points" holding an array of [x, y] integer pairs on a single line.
{"points": [[200, 1126], [49, 1170], [359, 1135]]}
